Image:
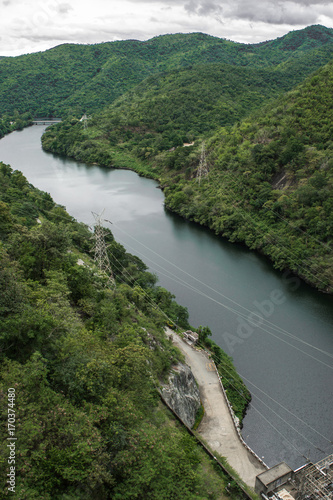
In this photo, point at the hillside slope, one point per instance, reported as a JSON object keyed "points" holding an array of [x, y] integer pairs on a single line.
{"points": [[85, 361], [78, 78], [164, 111], [270, 182], [178, 106], [181, 105]]}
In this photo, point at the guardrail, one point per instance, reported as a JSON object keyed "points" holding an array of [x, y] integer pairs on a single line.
{"points": [[245, 495], [235, 421], [45, 121], [208, 354]]}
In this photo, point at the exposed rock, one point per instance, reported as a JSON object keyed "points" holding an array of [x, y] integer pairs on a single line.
{"points": [[182, 393], [152, 342], [283, 180]]}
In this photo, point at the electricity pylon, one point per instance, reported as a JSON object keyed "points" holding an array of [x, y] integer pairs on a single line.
{"points": [[101, 257], [203, 167], [85, 119]]}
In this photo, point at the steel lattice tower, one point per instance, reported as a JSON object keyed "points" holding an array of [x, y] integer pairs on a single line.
{"points": [[101, 257], [203, 167]]}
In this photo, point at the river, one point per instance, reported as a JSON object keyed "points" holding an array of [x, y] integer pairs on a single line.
{"points": [[278, 330]]}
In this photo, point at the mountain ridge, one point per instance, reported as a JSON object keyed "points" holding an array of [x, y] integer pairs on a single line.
{"points": [[77, 78]]}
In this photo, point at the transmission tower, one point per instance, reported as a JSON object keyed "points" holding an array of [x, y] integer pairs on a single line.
{"points": [[85, 119], [203, 167], [101, 257]]}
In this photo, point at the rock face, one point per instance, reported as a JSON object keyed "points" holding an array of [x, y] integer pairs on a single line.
{"points": [[182, 393]]}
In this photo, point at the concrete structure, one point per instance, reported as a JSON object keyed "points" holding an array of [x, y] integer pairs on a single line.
{"points": [[274, 477], [46, 121], [311, 482], [315, 481], [191, 336]]}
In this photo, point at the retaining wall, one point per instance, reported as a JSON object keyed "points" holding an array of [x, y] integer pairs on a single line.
{"points": [[245, 495], [208, 354]]}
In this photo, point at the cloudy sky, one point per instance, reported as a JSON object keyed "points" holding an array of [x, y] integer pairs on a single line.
{"points": [[35, 25]]}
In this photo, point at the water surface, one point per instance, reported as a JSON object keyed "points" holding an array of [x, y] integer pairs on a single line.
{"points": [[286, 363]]}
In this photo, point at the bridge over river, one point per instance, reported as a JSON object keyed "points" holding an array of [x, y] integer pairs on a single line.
{"points": [[45, 121]]}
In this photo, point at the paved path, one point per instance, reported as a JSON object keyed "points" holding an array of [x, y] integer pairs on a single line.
{"points": [[217, 427]]}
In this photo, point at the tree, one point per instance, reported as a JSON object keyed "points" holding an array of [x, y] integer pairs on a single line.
{"points": [[40, 249], [204, 332]]}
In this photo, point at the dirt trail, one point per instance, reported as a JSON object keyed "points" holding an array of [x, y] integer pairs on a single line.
{"points": [[217, 427]]}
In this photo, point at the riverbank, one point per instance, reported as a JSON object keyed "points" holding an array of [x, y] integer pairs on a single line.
{"points": [[84, 359], [221, 283], [213, 203], [233, 381]]}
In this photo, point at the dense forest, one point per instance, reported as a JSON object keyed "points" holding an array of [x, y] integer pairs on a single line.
{"points": [[270, 182], [87, 78], [85, 360], [165, 111], [16, 122]]}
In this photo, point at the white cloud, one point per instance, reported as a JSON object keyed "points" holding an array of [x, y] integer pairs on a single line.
{"points": [[29, 26]]}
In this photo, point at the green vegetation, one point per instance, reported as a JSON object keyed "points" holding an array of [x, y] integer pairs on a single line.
{"points": [[85, 362], [270, 182], [76, 78], [238, 395], [69, 138], [16, 122], [167, 110], [199, 416], [237, 481]]}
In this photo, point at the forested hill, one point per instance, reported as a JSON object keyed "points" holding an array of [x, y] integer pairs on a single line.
{"points": [[77, 78], [165, 111], [85, 361], [270, 182]]}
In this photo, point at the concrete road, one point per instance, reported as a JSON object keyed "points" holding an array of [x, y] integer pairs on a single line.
{"points": [[217, 427]]}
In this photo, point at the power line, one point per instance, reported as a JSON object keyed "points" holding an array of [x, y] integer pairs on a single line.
{"points": [[266, 324], [203, 166], [284, 408], [182, 282], [292, 224], [273, 237], [233, 186], [265, 321], [268, 421]]}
